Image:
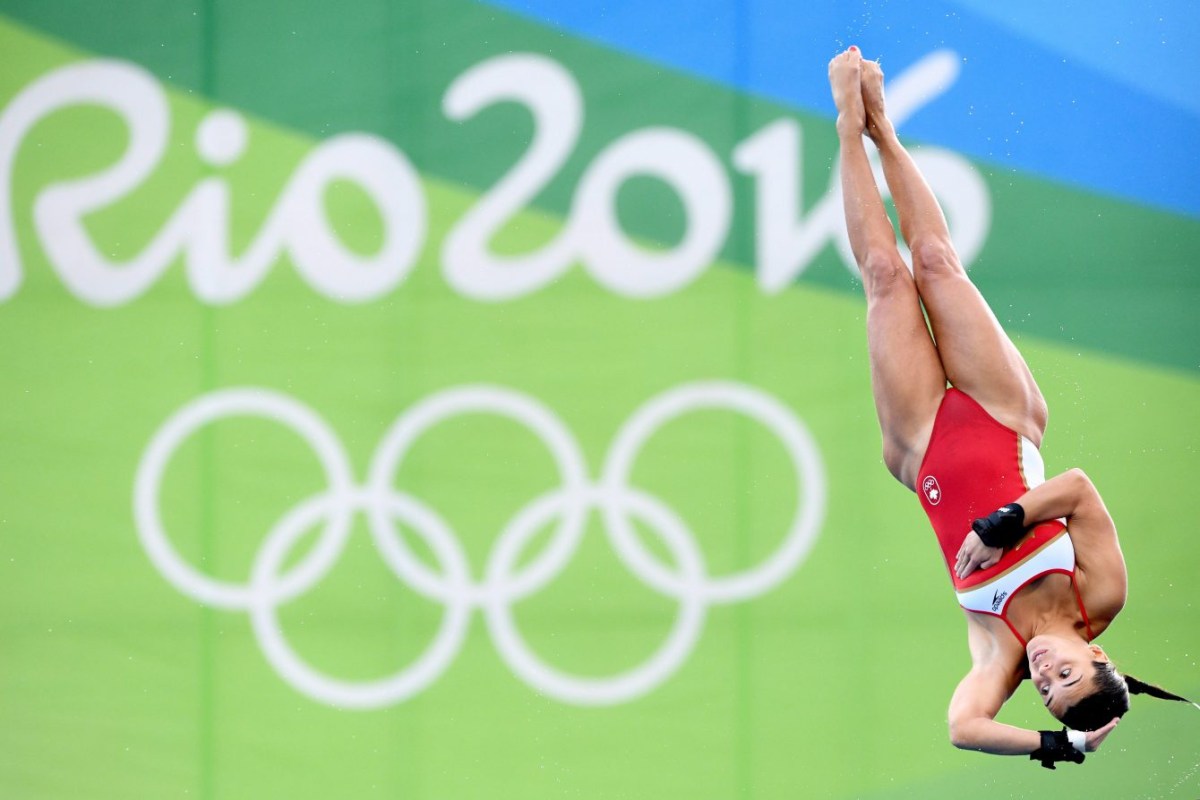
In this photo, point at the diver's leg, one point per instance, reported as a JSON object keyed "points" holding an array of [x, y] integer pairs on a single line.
{"points": [[906, 376], [976, 353]]}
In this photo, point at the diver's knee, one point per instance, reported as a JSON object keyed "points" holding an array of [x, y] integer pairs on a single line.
{"points": [[935, 259], [883, 272], [895, 457]]}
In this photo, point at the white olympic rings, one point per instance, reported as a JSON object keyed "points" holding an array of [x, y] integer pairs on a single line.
{"points": [[689, 582]]}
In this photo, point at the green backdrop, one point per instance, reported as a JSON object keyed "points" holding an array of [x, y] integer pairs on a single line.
{"points": [[402, 401]]}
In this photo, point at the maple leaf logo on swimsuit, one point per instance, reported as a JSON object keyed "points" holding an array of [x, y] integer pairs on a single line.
{"points": [[933, 492]]}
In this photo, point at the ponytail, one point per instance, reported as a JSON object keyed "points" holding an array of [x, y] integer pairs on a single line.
{"points": [[1141, 687], [1110, 698]]}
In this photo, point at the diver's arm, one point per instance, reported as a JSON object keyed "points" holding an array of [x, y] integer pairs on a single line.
{"points": [[1099, 563], [1066, 495], [973, 709], [973, 726], [981, 693], [984, 545], [1098, 557]]}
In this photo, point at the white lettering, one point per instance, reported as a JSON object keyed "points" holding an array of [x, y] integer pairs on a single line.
{"points": [[133, 94], [786, 241], [552, 96], [691, 169], [380, 170], [199, 226], [788, 236]]}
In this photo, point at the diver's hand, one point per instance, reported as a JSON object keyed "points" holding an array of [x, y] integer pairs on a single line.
{"points": [[974, 554], [1096, 738]]}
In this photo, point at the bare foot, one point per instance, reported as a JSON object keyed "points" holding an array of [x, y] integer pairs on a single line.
{"points": [[879, 127], [847, 93]]}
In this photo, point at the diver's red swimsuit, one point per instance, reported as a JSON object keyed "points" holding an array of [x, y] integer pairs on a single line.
{"points": [[974, 465]]}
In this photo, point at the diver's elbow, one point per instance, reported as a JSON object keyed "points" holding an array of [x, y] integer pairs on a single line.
{"points": [[960, 735]]}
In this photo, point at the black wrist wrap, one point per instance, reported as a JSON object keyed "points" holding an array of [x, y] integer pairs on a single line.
{"points": [[1001, 528], [1055, 747]]}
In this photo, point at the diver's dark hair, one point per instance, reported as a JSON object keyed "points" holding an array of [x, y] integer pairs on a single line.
{"points": [[1110, 698]]}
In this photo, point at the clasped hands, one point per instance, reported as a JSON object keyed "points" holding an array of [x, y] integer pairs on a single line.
{"points": [[974, 554]]}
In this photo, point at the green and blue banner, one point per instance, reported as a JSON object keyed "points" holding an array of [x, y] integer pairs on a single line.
{"points": [[470, 400]]}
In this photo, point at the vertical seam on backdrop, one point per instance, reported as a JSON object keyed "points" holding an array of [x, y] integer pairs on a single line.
{"points": [[208, 481], [743, 622], [405, 769]]}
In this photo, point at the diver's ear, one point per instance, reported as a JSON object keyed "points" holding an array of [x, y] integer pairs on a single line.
{"points": [[1098, 653]]}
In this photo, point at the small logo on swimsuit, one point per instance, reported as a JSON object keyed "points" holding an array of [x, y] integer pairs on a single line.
{"points": [[933, 492], [997, 599]]}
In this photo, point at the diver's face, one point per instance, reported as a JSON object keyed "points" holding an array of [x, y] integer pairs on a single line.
{"points": [[1061, 670]]}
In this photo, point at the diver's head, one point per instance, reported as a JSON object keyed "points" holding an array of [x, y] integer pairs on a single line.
{"points": [[1076, 681], [1080, 686]]}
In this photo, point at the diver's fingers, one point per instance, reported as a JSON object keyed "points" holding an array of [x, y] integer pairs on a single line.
{"points": [[1096, 738]]}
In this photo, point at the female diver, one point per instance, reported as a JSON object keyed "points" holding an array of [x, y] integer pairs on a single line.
{"points": [[1041, 575]]}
